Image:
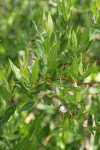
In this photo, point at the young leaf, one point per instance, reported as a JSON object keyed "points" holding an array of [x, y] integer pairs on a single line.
{"points": [[34, 75], [2, 106], [74, 41], [4, 92], [80, 68], [23, 70], [85, 36], [50, 26], [15, 70]]}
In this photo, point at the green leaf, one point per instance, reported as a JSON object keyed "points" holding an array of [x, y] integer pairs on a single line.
{"points": [[85, 47], [74, 66], [65, 124], [94, 9], [2, 106], [26, 106], [80, 112], [52, 59], [73, 76], [23, 70], [8, 113], [77, 97], [50, 26], [4, 92], [85, 35], [34, 74], [64, 10], [40, 35], [89, 70], [80, 68], [74, 41], [15, 70]]}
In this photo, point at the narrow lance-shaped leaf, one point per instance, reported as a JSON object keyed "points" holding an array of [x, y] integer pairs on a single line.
{"points": [[74, 65], [85, 47], [8, 113], [40, 35], [26, 106], [74, 41], [15, 70], [85, 35], [89, 69], [34, 75], [23, 70], [2, 106], [50, 26], [80, 68], [52, 59]]}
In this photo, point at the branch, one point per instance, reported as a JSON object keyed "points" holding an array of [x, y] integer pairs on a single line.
{"points": [[85, 129], [72, 81]]}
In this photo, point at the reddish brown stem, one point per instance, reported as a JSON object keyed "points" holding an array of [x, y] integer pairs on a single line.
{"points": [[70, 80]]}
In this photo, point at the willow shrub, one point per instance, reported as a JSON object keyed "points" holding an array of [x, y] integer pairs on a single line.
{"points": [[49, 98]]}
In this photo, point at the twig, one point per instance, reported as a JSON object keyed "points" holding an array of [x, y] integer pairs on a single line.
{"points": [[66, 112], [54, 104], [72, 81]]}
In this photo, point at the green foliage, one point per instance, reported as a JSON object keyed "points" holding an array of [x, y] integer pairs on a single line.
{"points": [[2, 106], [34, 75], [8, 113], [27, 106], [50, 74]]}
